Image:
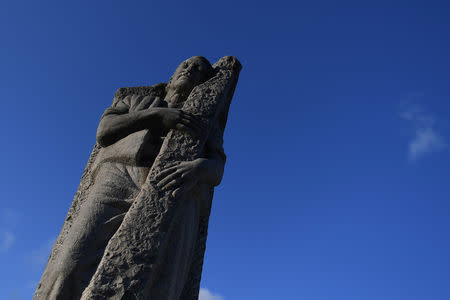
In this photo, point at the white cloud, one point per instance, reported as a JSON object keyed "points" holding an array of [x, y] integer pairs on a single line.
{"points": [[207, 295], [8, 218], [7, 239], [425, 139]]}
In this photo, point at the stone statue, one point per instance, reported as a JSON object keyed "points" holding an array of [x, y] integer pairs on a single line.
{"points": [[138, 223]]}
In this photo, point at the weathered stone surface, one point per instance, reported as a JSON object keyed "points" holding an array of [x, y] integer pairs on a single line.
{"points": [[137, 259], [127, 267], [84, 189]]}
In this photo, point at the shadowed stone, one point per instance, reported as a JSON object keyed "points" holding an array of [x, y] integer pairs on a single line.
{"points": [[157, 251]]}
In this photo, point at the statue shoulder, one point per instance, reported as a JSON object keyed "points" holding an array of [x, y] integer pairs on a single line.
{"points": [[157, 90]]}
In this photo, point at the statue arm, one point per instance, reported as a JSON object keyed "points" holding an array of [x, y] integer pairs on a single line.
{"points": [[115, 127], [120, 121], [212, 165], [207, 170], [210, 170]]}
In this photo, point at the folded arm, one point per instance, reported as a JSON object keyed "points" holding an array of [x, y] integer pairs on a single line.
{"points": [[118, 122], [183, 176]]}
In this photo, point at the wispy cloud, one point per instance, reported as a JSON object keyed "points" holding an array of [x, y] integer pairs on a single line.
{"points": [[8, 218], [205, 294], [7, 239], [425, 139]]}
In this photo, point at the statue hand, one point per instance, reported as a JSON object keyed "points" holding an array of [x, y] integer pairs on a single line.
{"points": [[181, 177], [172, 118]]}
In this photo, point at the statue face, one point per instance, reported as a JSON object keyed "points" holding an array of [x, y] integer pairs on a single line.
{"points": [[190, 73]]}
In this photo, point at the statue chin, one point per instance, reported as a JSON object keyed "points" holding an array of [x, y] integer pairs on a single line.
{"points": [[183, 84]]}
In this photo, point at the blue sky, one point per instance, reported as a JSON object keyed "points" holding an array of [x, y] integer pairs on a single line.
{"points": [[337, 179]]}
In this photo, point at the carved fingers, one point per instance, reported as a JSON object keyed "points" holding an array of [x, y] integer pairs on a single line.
{"points": [[179, 191], [176, 118], [189, 122], [170, 179], [180, 178], [164, 173]]}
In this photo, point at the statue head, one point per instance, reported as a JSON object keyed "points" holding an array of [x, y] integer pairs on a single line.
{"points": [[191, 72]]}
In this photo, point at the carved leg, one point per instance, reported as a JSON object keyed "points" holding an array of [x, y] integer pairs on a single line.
{"points": [[98, 220]]}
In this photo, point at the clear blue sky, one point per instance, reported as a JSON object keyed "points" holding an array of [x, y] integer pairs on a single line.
{"points": [[337, 179]]}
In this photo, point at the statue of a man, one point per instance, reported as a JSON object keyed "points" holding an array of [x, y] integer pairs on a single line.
{"points": [[130, 134]]}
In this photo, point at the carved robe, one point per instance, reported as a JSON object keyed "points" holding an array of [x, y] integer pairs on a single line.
{"points": [[113, 177], [117, 174]]}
